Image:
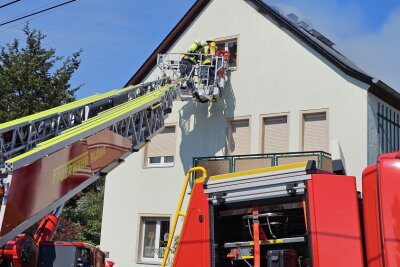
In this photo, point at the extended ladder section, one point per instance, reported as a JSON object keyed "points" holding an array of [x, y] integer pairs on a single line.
{"points": [[135, 119], [48, 157], [21, 135]]}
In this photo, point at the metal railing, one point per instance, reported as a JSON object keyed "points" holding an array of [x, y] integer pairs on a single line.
{"points": [[170, 65], [227, 164]]}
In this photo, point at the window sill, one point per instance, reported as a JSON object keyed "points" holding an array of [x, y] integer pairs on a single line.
{"points": [[158, 166], [149, 262]]}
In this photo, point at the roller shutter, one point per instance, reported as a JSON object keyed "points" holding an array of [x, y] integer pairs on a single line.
{"points": [[163, 144], [239, 141], [276, 135], [315, 132]]}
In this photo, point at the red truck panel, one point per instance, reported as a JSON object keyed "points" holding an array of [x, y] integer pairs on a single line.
{"points": [[334, 221], [35, 186], [194, 243], [381, 206]]}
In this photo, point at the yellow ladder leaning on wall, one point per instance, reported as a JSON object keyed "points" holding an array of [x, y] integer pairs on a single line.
{"points": [[178, 211]]}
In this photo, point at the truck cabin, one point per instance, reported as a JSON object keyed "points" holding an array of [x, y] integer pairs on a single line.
{"points": [[67, 254]]}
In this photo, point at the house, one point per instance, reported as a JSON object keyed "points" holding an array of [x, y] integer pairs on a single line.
{"points": [[289, 90]]}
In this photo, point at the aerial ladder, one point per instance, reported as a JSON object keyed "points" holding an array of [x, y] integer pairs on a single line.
{"points": [[48, 157]]}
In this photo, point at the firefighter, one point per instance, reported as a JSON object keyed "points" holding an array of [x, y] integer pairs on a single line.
{"points": [[187, 62], [207, 76], [208, 51]]}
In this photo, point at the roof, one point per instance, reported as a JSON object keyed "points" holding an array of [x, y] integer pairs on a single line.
{"points": [[168, 41], [379, 88]]}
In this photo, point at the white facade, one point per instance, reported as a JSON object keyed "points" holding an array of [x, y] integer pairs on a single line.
{"points": [[276, 73], [383, 128]]}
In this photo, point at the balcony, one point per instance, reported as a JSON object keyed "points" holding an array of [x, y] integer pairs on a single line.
{"points": [[228, 164]]}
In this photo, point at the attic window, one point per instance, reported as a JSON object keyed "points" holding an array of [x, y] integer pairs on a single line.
{"points": [[231, 46]]}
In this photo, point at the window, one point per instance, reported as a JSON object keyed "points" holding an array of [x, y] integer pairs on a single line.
{"points": [[275, 134], [315, 132], [154, 233], [161, 149], [231, 46], [239, 137], [84, 257]]}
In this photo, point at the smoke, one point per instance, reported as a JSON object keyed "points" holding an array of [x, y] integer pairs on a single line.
{"points": [[374, 47], [378, 52]]}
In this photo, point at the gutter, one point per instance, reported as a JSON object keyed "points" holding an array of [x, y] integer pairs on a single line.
{"points": [[386, 93]]}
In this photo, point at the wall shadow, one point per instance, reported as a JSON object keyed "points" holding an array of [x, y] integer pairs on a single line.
{"points": [[203, 127]]}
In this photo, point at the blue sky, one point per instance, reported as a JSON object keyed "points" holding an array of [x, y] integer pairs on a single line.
{"points": [[118, 36]]}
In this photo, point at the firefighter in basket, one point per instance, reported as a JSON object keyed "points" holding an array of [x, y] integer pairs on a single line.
{"points": [[203, 61], [207, 90], [186, 65], [212, 73]]}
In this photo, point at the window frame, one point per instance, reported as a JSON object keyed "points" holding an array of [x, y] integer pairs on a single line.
{"points": [[146, 159], [162, 162], [302, 114], [142, 218], [228, 39], [262, 128], [229, 132]]}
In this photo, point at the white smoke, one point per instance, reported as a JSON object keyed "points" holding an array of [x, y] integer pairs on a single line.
{"points": [[375, 51]]}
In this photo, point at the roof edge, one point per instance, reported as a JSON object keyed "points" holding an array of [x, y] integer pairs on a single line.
{"points": [[168, 41], [323, 52], [386, 93]]}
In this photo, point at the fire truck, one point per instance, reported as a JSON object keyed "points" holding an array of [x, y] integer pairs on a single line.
{"points": [[291, 216], [48, 157]]}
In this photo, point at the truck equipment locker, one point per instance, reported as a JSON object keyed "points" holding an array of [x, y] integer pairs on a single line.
{"points": [[381, 208], [335, 232]]}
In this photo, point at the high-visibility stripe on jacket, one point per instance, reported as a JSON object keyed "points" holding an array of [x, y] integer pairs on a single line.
{"points": [[206, 59], [193, 49]]}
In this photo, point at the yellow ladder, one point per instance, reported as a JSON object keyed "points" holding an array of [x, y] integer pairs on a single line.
{"points": [[178, 211]]}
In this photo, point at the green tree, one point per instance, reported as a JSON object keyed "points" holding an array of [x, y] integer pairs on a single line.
{"points": [[82, 215], [33, 78]]}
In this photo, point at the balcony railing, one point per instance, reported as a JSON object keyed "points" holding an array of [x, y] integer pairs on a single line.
{"points": [[228, 164]]}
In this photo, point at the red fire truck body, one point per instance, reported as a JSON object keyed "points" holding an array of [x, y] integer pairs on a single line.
{"points": [[381, 202], [38, 251], [294, 215]]}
